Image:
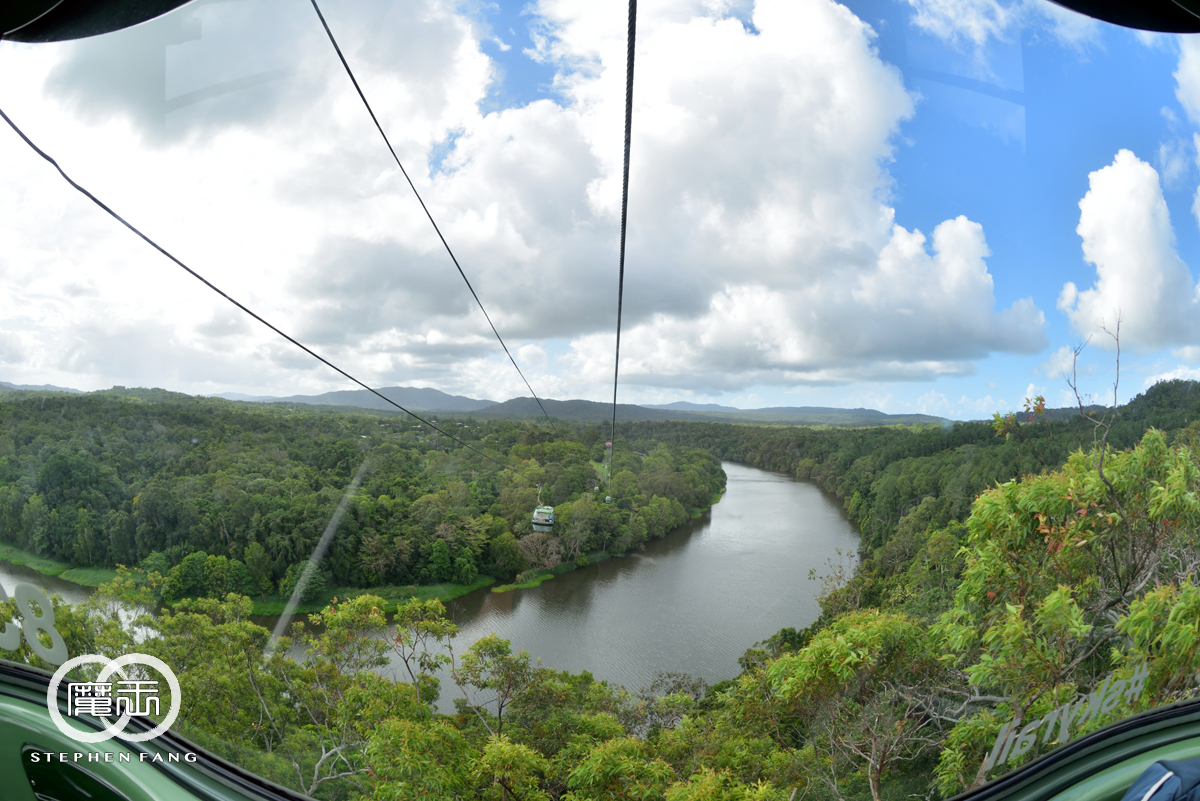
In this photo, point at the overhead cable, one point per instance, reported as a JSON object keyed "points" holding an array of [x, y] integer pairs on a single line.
{"points": [[632, 38], [428, 214], [227, 297]]}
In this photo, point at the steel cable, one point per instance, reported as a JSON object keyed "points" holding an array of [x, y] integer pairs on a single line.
{"points": [[227, 297], [632, 38], [425, 208]]}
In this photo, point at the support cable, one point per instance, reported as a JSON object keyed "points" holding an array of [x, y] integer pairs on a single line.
{"points": [[632, 38], [425, 208], [222, 293]]}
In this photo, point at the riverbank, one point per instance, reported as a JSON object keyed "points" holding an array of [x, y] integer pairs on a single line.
{"points": [[532, 578], [273, 605], [392, 596], [690, 602], [84, 576]]}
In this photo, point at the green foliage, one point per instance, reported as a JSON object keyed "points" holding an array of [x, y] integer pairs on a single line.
{"points": [[621, 768], [1002, 577], [511, 770], [186, 579], [710, 785], [174, 481], [440, 567], [1163, 629], [312, 590], [489, 667], [258, 568], [421, 630], [416, 761]]}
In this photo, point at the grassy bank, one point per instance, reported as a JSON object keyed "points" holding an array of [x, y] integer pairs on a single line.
{"points": [[538, 578], [544, 574], [42, 564], [90, 576], [271, 605], [85, 576]]}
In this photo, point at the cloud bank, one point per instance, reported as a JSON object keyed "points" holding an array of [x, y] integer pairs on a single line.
{"points": [[763, 248]]}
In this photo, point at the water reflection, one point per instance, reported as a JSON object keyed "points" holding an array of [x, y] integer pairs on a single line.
{"points": [[692, 602], [11, 575]]}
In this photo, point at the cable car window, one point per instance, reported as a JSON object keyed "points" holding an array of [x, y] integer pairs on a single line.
{"points": [[63, 782], [774, 400]]}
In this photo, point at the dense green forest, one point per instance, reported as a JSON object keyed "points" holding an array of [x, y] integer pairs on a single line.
{"points": [[1039, 568], [217, 496]]}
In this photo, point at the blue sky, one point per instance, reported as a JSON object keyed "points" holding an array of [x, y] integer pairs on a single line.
{"points": [[873, 204]]}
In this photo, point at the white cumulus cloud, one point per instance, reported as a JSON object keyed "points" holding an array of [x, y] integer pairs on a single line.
{"points": [[1140, 279], [978, 22], [1187, 77], [911, 314], [763, 243]]}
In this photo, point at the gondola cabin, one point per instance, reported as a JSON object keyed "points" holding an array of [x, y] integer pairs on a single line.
{"points": [[543, 518]]}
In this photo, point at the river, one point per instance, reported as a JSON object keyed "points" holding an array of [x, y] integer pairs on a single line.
{"points": [[691, 602], [11, 575]]}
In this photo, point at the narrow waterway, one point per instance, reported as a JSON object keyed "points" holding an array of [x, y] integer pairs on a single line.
{"points": [[11, 575], [692, 602]]}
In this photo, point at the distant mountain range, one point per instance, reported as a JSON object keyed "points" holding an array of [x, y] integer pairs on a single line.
{"points": [[40, 388], [431, 400], [682, 410], [687, 406], [409, 397], [428, 400]]}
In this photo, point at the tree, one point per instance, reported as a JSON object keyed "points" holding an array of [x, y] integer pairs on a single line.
{"points": [[335, 703], [421, 627], [216, 576], [186, 579], [506, 552], [465, 571], [441, 567], [490, 665], [35, 519], [511, 771], [541, 549], [376, 557], [312, 590], [710, 785], [258, 563], [415, 761], [1054, 564], [621, 768], [86, 551], [863, 685], [12, 502]]}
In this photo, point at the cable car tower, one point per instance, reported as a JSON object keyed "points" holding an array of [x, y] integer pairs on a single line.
{"points": [[543, 516]]}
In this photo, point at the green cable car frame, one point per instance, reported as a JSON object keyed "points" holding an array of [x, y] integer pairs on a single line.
{"points": [[1102, 765], [165, 768]]}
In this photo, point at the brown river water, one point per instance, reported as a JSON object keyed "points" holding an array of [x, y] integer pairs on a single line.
{"points": [[692, 602]]}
